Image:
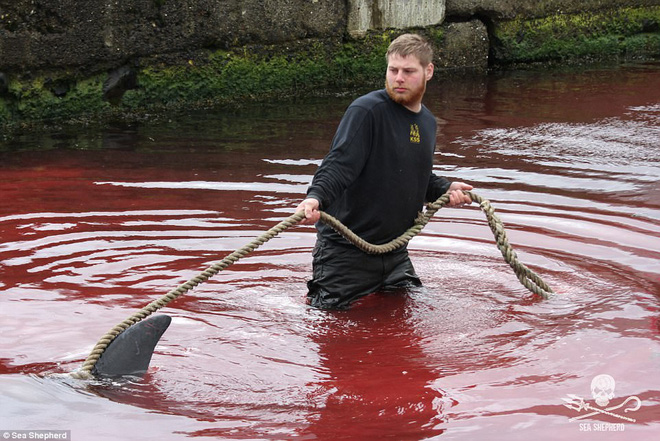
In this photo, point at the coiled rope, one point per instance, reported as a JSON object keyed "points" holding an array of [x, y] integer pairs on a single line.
{"points": [[527, 277]]}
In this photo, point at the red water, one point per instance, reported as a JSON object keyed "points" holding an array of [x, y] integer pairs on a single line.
{"points": [[95, 225]]}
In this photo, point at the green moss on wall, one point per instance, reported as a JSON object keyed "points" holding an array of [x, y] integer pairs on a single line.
{"points": [[253, 73], [5, 112], [209, 78], [225, 77], [436, 35], [601, 35], [44, 98]]}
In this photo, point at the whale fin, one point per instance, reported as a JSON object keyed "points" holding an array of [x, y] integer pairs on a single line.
{"points": [[130, 353]]}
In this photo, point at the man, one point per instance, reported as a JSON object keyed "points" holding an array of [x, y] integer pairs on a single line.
{"points": [[375, 180]]}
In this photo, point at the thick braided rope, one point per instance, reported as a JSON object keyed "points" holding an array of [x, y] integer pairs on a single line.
{"points": [[527, 277], [85, 372]]}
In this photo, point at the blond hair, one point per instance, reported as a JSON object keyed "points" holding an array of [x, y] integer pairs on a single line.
{"points": [[411, 44]]}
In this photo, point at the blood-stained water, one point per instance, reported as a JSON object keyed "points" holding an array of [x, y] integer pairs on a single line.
{"points": [[96, 224]]}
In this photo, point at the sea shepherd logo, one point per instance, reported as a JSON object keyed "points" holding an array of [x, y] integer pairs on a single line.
{"points": [[602, 391]]}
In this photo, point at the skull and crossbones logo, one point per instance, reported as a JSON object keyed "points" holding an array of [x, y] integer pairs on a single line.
{"points": [[602, 390]]}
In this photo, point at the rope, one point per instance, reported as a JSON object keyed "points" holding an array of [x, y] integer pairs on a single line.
{"points": [[527, 277]]}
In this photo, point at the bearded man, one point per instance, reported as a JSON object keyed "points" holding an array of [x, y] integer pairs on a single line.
{"points": [[375, 179]]}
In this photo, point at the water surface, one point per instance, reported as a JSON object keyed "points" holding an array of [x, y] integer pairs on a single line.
{"points": [[96, 224]]}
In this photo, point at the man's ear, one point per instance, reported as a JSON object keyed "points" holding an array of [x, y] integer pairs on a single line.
{"points": [[429, 71]]}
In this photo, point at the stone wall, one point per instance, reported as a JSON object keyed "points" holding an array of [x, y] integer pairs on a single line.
{"points": [[97, 34], [510, 9], [66, 58], [365, 15]]}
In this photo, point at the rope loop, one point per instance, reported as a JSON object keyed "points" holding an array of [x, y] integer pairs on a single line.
{"points": [[527, 277]]}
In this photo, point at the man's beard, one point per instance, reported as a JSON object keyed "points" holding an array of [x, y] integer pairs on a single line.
{"points": [[410, 97]]}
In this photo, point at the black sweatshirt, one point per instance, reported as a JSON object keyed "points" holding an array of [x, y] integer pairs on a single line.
{"points": [[378, 173]]}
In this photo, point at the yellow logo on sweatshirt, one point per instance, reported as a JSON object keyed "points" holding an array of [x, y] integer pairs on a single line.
{"points": [[414, 134]]}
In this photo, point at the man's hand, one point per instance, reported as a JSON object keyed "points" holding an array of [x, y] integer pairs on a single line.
{"points": [[456, 196], [312, 214]]}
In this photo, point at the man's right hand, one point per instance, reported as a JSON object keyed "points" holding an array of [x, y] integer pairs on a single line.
{"points": [[312, 213]]}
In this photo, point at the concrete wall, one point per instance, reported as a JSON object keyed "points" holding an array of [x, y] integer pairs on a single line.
{"points": [[60, 58], [365, 15], [98, 34], [509, 9]]}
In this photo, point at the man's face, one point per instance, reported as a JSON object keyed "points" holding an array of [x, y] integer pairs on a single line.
{"points": [[406, 80]]}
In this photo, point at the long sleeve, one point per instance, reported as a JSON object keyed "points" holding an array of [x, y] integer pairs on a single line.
{"points": [[349, 152], [436, 188]]}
